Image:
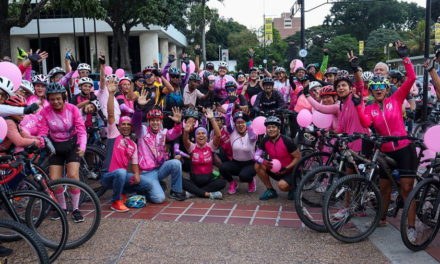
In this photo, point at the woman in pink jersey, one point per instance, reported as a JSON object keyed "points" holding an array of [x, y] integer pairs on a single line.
{"points": [[387, 118], [202, 182], [64, 125]]}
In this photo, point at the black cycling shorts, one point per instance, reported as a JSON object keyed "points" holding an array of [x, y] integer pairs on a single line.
{"points": [[66, 152], [406, 159], [288, 177]]}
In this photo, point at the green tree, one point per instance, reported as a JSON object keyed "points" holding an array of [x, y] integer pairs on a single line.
{"points": [[238, 41], [374, 46], [338, 49]]}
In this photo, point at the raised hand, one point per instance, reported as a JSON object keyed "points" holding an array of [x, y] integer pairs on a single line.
{"points": [[112, 86], [401, 49], [353, 60], [188, 126], [251, 53], [197, 50], [177, 115], [101, 57], [208, 113], [429, 65], [142, 100]]}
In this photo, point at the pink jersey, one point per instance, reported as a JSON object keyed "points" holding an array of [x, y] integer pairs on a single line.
{"points": [[31, 123], [64, 125], [120, 150], [201, 157], [219, 85], [388, 121], [225, 141], [35, 99]]}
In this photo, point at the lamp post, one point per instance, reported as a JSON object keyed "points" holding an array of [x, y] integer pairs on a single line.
{"points": [[219, 52], [425, 73]]}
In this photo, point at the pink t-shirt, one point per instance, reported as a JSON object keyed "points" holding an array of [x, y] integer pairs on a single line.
{"points": [[120, 150], [201, 157]]}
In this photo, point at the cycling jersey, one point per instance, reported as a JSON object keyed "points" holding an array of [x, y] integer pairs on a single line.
{"points": [[219, 85], [284, 88], [15, 137], [253, 90], [280, 150], [126, 106], [321, 108], [64, 125], [225, 141], [120, 150], [201, 157], [302, 103], [388, 119], [102, 95], [79, 98], [275, 102]]}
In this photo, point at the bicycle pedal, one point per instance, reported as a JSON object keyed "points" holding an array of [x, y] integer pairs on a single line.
{"points": [[92, 175]]}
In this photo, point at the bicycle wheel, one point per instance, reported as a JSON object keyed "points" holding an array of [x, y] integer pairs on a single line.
{"points": [[28, 249], [79, 233], [362, 205], [309, 195], [306, 163], [425, 199], [90, 168], [35, 209]]}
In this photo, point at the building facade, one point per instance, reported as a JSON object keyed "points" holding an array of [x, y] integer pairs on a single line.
{"points": [[287, 26]]}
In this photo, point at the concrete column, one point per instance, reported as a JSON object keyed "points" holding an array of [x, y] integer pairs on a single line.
{"points": [[149, 45], [172, 48], [102, 41], [21, 42], [179, 51], [163, 49], [66, 42]]}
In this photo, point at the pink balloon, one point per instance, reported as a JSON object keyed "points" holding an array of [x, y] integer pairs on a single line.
{"points": [[108, 70], [120, 73], [253, 98], [258, 125], [298, 64], [225, 106], [304, 118], [322, 120], [192, 66], [3, 129], [432, 139], [427, 154], [12, 72], [276, 166], [75, 74], [432, 89]]}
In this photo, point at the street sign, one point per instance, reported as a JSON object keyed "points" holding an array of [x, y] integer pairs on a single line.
{"points": [[437, 33], [303, 53], [268, 30], [361, 47]]}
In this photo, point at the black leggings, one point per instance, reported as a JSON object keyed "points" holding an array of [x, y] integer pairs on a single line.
{"points": [[245, 170], [202, 183]]}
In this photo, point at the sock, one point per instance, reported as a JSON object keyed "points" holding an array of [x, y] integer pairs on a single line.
{"points": [[75, 193], [59, 194]]}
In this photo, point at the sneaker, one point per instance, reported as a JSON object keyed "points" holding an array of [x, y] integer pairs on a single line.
{"points": [[291, 195], [411, 233], [269, 194], [216, 195], [119, 206], [252, 186], [124, 197], [322, 187], [232, 187], [340, 213], [189, 195], [4, 251], [55, 216], [77, 216], [178, 196]]}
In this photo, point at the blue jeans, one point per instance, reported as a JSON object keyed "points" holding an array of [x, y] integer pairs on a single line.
{"points": [[118, 180], [152, 178]]}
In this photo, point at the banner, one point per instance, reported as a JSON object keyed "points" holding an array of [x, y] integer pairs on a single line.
{"points": [[268, 30], [437, 33], [225, 55], [361, 47]]}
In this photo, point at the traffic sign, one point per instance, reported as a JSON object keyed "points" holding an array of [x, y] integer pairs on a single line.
{"points": [[303, 53]]}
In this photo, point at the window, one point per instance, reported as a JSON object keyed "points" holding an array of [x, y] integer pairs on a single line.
{"points": [[287, 23]]}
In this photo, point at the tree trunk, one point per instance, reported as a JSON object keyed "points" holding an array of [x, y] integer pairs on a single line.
{"points": [[115, 47], [5, 39], [125, 55], [203, 33]]}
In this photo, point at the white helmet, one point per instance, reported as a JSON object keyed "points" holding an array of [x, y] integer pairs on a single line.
{"points": [[112, 76], [367, 76], [84, 66], [84, 80], [124, 78], [314, 84], [279, 69], [223, 64], [7, 86], [27, 85]]}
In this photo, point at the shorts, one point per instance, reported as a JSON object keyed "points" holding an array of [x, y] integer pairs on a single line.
{"points": [[406, 161], [288, 177], [66, 152]]}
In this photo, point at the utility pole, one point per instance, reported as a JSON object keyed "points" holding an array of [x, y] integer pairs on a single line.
{"points": [[303, 36], [425, 73]]}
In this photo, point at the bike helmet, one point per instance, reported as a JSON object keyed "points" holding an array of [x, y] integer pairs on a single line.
{"points": [[304, 78], [311, 65], [136, 201], [437, 53], [230, 84], [84, 80], [54, 88], [328, 90], [367, 76], [40, 78], [191, 112], [272, 120], [223, 64], [173, 71], [219, 115], [84, 66], [267, 80], [314, 84], [154, 113], [7, 86], [112, 76], [195, 77], [148, 68], [379, 82], [280, 69], [16, 100], [54, 71], [343, 75], [209, 66], [331, 70], [300, 69], [239, 115], [253, 69], [124, 78], [396, 75], [27, 86]]}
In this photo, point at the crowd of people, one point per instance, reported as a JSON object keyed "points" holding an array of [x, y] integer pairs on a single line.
{"points": [[162, 122]]}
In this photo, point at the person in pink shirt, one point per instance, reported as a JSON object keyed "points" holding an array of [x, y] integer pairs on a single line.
{"points": [[63, 123], [387, 118], [202, 182]]}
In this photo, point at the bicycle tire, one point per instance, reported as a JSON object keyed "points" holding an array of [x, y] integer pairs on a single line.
{"points": [[95, 168], [421, 196], [359, 184], [30, 237], [96, 205], [298, 171], [303, 201]]}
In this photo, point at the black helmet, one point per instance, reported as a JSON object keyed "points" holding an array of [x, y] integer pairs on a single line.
{"points": [[267, 80], [206, 74], [239, 115], [300, 69], [195, 77], [437, 53], [54, 88], [311, 65], [304, 78], [191, 112], [343, 75], [230, 84], [272, 120], [331, 70], [173, 71], [209, 66], [253, 69], [396, 74]]}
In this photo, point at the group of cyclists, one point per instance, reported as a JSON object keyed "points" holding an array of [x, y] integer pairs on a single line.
{"points": [[162, 122]]}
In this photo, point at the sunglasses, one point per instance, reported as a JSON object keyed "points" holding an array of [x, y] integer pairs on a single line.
{"points": [[174, 76], [148, 76], [230, 90], [376, 87], [141, 80]]}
